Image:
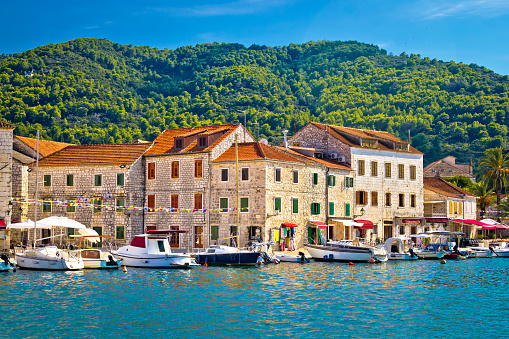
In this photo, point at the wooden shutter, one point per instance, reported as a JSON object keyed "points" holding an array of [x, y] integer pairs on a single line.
{"points": [[175, 169], [198, 168], [198, 201], [174, 201], [214, 232], [358, 197], [151, 202], [151, 170]]}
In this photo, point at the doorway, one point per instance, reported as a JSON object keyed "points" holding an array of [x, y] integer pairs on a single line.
{"points": [[198, 236], [99, 231]]}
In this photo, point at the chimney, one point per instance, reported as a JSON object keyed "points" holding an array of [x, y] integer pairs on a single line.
{"points": [[285, 142]]}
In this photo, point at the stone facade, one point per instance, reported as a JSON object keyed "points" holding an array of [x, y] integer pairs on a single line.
{"points": [[5, 179]]}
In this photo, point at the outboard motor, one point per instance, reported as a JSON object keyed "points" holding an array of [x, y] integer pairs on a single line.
{"points": [[111, 261], [6, 260], [412, 253], [303, 258]]}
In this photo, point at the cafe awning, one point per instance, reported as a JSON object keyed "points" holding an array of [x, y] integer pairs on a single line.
{"points": [[436, 219], [366, 224], [476, 223], [348, 222], [319, 224], [411, 221], [287, 224], [2, 223], [498, 225]]}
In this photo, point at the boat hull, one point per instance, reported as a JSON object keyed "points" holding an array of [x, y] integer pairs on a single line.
{"points": [[101, 264], [401, 256], [47, 264], [339, 253], [291, 258], [6, 267], [228, 259], [155, 261]]}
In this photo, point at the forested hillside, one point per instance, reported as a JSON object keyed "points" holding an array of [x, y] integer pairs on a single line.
{"points": [[97, 91]]}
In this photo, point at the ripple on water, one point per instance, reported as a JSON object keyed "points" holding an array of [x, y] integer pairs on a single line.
{"points": [[394, 299]]}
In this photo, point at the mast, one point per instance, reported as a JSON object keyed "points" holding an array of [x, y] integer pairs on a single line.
{"points": [[36, 181], [237, 182]]}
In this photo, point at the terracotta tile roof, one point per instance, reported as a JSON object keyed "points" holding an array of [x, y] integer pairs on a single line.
{"points": [[445, 169], [441, 186], [79, 155], [164, 143], [6, 125], [254, 151], [312, 160], [46, 147], [339, 133]]}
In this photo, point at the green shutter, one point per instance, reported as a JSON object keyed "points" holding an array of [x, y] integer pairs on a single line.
{"points": [[310, 233], [333, 180], [70, 180], [214, 232], [120, 233], [347, 210], [47, 180], [223, 203], [318, 208], [331, 208], [120, 179], [319, 231], [347, 182], [295, 206], [277, 204], [244, 204], [120, 204], [70, 231], [315, 178], [98, 180]]}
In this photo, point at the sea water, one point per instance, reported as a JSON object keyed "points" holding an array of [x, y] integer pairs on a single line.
{"points": [[418, 299]]}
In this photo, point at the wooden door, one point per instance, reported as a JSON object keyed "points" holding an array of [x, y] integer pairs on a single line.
{"points": [[198, 236]]}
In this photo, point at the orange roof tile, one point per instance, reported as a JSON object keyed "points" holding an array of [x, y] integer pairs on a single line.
{"points": [[254, 151], [79, 155], [46, 147], [327, 162], [163, 144], [6, 125], [338, 131], [441, 186]]}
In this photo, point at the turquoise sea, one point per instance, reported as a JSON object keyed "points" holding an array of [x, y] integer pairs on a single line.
{"points": [[420, 299]]}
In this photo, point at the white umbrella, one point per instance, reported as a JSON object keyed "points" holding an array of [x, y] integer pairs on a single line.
{"points": [[28, 224], [89, 233], [62, 222]]}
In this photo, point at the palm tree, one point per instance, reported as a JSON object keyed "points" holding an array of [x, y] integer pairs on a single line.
{"points": [[484, 195], [503, 209], [494, 165]]}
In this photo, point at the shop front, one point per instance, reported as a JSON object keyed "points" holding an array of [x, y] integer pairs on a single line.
{"points": [[361, 232], [317, 233], [286, 237], [342, 229]]}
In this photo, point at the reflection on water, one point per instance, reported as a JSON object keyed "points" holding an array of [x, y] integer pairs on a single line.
{"points": [[394, 299]]}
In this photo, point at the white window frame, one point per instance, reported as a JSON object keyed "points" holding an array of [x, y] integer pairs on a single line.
{"points": [[248, 173], [240, 205], [293, 177], [227, 174], [275, 176]]}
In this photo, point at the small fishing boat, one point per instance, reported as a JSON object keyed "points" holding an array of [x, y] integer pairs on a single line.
{"points": [[301, 258], [48, 258], [400, 248], [97, 259], [6, 264], [221, 255], [152, 250], [500, 250], [346, 251]]}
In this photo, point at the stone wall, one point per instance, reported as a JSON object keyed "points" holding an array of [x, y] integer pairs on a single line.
{"points": [[5, 181]]}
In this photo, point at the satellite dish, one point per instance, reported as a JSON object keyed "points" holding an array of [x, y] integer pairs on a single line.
{"points": [[264, 141]]}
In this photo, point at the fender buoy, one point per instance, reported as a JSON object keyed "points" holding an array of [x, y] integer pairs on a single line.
{"points": [[125, 269], [371, 261], [350, 263], [443, 261], [259, 262], [205, 264]]}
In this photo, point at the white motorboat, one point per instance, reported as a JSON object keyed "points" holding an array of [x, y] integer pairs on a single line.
{"points": [[284, 257], [153, 250], [97, 259], [346, 251], [400, 248], [482, 252], [47, 258]]}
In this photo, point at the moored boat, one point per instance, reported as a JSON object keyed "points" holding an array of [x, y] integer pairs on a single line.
{"points": [[6, 264], [400, 248], [221, 255], [284, 257], [343, 251], [97, 259], [47, 258]]}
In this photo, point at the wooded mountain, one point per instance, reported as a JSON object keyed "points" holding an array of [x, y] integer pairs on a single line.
{"points": [[96, 91]]}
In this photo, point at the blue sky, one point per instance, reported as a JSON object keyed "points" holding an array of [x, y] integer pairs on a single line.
{"points": [[469, 31]]}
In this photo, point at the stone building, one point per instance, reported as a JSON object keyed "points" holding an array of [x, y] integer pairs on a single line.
{"points": [[178, 186], [5, 180], [387, 176], [101, 186], [445, 205], [283, 196], [447, 167]]}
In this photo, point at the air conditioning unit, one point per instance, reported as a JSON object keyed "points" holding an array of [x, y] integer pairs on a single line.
{"points": [[341, 158], [333, 156]]}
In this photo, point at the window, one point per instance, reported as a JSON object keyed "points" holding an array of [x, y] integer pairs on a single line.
{"points": [[369, 143], [224, 174], [120, 179], [71, 206], [255, 232], [361, 197], [332, 180], [120, 204], [277, 174], [347, 210], [98, 205], [223, 204], [46, 206], [402, 230], [160, 246], [244, 174], [401, 171], [388, 169], [151, 171], [374, 198], [413, 230], [175, 169], [455, 207], [198, 201], [47, 180], [179, 143], [174, 201], [401, 200], [120, 233], [198, 236], [98, 180], [151, 202], [315, 208], [214, 232], [70, 231], [331, 208], [413, 172], [387, 199], [451, 210], [174, 237], [295, 206], [198, 168], [70, 180], [412, 200], [361, 167], [460, 208], [244, 205], [315, 178], [296, 177], [374, 169], [277, 205], [348, 182], [202, 142]]}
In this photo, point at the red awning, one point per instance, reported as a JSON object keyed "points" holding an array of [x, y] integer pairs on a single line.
{"points": [[166, 231], [2, 223], [502, 226], [320, 224], [477, 223], [411, 221], [436, 219], [367, 225], [287, 224]]}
